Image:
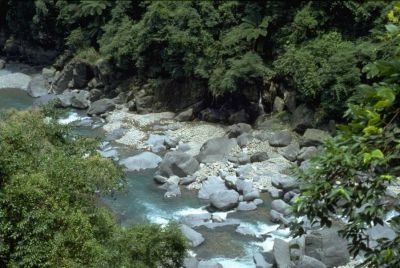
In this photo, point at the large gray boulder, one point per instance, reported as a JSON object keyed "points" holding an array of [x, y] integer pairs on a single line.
{"points": [[314, 137], [212, 185], [195, 238], [309, 262], [260, 261], [307, 153], [179, 164], [239, 117], [101, 106], [290, 152], [280, 139], [37, 87], [141, 161], [80, 100], [328, 247], [284, 182], [224, 200], [281, 207], [64, 100], [76, 74], [215, 149], [186, 115], [236, 130], [209, 264], [15, 80], [303, 118], [259, 157], [190, 262], [281, 253]]}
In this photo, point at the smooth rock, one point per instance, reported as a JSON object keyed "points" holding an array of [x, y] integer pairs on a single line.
{"points": [[225, 199], [260, 261], [15, 80], [141, 161], [281, 253], [303, 118], [284, 182], [281, 207], [236, 130], [259, 157], [101, 106], [215, 149], [275, 193], [80, 100], [280, 139], [243, 139], [314, 137], [195, 238], [37, 87], [309, 262], [250, 196], [246, 206], [179, 164], [186, 115], [211, 185], [290, 152]]}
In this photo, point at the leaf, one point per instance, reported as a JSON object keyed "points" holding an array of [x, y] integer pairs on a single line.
{"points": [[377, 154]]}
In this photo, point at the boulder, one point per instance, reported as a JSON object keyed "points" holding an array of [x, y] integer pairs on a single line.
{"points": [[141, 161], [281, 207], [179, 164], [195, 238], [305, 165], [190, 262], [198, 219], [239, 117], [144, 104], [101, 106], [225, 199], [186, 115], [246, 206], [303, 118], [2, 64], [215, 149], [211, 115], [260, 261], [104, 71], [309, 262], [284, 182], [80, 100], [307, 153], [289, 98], [279, 105], [250, 196], [209, 264], [173, 190], [328, 247], [275, 193], [281, 253], [76, 74], [49, 72], [314, 137], [211, 185], [280, 139], [244, 139], [160, 179], [259, 157], [290, 152], [236, 130], [64, 100], [244, 186], [15, 80], [37, 87]]}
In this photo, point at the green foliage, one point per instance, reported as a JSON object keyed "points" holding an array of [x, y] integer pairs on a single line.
{"points": [[48, 185], [350, 179], [89, 55]]}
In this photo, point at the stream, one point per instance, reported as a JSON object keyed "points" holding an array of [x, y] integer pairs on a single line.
{"points": [[142, 201]]}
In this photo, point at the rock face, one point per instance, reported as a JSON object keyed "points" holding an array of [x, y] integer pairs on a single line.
{"points": [[224, 200], [186, 115], [179, 164], [195, 238], [326, 246], [76, 74], [37, 87], [280, 139], [215, 150], [141, 161], [303, 118], [101, 106], [15, 80]]}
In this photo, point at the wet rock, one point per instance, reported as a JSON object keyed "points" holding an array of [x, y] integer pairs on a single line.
{"points": [[236, 130], [281, 253], [259, 157], [141, 161], [309, 262], [15, 80], [198, 219], [101, 106], [173, 191], [279, 105], [190, 262], [211, 185], [209, 264], [250, 196], [303, 118], [280, 139], [290, 152], [225, 199], [239, 117], [281, 207], [37, 87], [195, 238], [215, 149], [246, 206], [275, 193], [160, 179], [314, 137], [284, 182], [179, 164], [186, 115], [80, 100], [307, 153], [260, 261], [188, 180]]}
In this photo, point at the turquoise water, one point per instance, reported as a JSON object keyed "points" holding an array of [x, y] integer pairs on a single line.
{"points": [[14, 98]]}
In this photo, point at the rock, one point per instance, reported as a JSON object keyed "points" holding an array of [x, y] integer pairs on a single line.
{"points": [[190, 262], [246, 206], [95, 83], [15, 80], [290, 152], [186, 115], [259, 157], [173, 190], [230, 181], [170, 143], [120, 99], [160, 179], [314, 137], [225, 199], [215, 149], [287, 197], [244, 186], [183, 147], [280, 139], [81, 74], [211, 115], [75, 74], [281, 207], [281, 253], [141, 161], [195, 238], [250, 196], [211, 185], [243, 159], [144, 104], [260, 262], [307, 153], [80, 100], [279, 105], [309, 262], [303, 118], [239, 117], [2, 64], [64, 100], [179, 164], [236, 130], [197, 219], [209, 264], [275, 193], [49, 72], [95, 94], [284, 182], [101, 106], [37, 87], [258, 201], [104, 71], [289, 97], [326, 246], [305, 165], [243, 139], [380, 232], [276, 217]]}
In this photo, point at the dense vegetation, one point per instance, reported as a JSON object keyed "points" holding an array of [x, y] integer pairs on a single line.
{"points": [[227, 46], [351, 178], [49, 216]]}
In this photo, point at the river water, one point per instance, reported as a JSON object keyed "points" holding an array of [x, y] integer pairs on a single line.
{"points": [[142, 201]]}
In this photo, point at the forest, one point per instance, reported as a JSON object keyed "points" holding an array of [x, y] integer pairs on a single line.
{"points": [[341, 59]]}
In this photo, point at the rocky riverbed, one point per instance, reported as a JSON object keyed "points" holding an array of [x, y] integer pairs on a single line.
{"points": [[229, 187]]}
